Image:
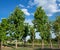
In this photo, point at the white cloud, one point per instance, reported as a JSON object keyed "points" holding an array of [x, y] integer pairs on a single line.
{"points": [[52, 34], [28, 6], [26, 12], [21, 5], [50, 6], [32, 14], [31, 3], [0, 20], [37, 35], [27, 38], [59, 4], [29, 21], [49, 14], [58, 0]]}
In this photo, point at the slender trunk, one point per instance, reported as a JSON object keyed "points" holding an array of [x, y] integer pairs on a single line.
{"points": [[42, 43], [33, 45], [50, 43], [16, 43], [33, 42], [58, 43], [24, 42], [0, 45]]}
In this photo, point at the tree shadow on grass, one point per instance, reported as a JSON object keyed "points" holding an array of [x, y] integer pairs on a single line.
{"points": [[46, 49], [10, 45]]}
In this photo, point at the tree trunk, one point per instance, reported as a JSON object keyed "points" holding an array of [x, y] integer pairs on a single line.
{"points": [[16, 43], [50, 43], [0, 45], [42, 43], [33, 42], [58, 43], [33, 45], [24, 42]]}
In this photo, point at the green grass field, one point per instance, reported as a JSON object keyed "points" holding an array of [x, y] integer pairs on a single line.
{"points": [[19, 48], [26, 48]]}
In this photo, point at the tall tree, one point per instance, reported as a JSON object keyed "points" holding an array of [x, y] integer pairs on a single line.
{"points": [[56, 27], [32, 35], [49, 29], [3, 31], [26, 33], [40, 23], [16, 21]]}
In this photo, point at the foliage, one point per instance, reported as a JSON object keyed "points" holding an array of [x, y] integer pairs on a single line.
{"points": [[32, 33], [41, 23], [56, 27], [4, 26], [26, 31], [16, 21]]}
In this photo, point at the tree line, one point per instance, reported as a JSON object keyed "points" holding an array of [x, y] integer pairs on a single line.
{"points": [[17, 29]]}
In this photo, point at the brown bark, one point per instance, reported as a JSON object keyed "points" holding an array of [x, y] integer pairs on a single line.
{"points": [[42, 43], [58, 43], [0, 45], [33, 45], [16, 43], [33, 42], [51, 44], [24, 42]]}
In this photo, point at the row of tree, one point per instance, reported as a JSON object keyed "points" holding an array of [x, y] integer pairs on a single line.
{"points": [[15, 27]]}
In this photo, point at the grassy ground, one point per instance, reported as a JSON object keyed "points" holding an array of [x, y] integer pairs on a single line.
{"points": [[19, 48], [26, 48], [29, 47]]}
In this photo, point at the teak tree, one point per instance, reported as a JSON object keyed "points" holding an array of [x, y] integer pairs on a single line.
{"points": [[26, 33], [16, 20], [56, 27], [32, 35], [3, 31], [40, 23]]}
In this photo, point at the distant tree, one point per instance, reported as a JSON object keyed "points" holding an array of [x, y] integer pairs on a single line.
{"points": [[16, 20], [32, 35], [26, 33], [40, 23], [3, 31], [56, 27], [49, 29]]}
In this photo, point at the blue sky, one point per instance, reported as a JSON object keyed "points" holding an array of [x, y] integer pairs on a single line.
{"points": [[51, 7]]}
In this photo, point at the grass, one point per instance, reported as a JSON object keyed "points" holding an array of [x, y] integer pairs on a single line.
{"points": [[37, 46], [19, 48], [26, 48]]}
